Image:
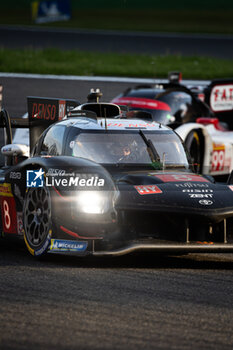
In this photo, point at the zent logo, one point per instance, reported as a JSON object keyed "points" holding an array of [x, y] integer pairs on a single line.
{"points": [[35, 178]]}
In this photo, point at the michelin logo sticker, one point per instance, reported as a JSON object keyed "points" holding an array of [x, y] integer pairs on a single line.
{"points": [[67, 246], [35, 178]]}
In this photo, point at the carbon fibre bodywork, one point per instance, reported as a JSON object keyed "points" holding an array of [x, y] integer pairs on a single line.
{"points": [[97, 198]]}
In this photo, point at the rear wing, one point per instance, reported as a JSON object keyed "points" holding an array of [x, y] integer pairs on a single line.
{"points": [[42, 112]]}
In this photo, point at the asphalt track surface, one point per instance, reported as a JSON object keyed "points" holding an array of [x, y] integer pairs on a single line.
{"points": [[15, 91], [114, 41], [143, 301], [132, 302]]}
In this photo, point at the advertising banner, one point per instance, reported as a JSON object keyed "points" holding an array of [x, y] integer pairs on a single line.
{"points": [[51, 11]]}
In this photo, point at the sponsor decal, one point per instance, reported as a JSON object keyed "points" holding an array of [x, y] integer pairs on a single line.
{"points": [[205, 202], [56, 172], [62, 109], [192, 185], [67, 246], [35, 178], [15, 175], [44, 248], [44, 111], [200, 195], [5, 190], [180, 177], [198, 191], [148, 189], [218, 157], [132, 125], [221, 98]]}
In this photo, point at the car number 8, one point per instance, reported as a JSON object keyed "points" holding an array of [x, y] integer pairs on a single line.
{"points": [[7, 218]]}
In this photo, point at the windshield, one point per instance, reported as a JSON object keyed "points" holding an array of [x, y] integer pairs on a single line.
{"points": [[111, 147], [169, 148]]}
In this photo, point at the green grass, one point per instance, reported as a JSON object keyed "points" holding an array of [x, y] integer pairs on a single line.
{"points": [[54, 61], [196, 21]]}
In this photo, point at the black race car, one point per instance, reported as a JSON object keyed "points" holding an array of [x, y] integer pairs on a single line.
{"points": [[101, 182], [171, 103]]}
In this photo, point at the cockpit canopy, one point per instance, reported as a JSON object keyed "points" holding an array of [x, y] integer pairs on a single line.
{"points": [[134, 147]]}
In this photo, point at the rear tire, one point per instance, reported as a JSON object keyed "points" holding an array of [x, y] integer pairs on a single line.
{"points": [[193, 144]]}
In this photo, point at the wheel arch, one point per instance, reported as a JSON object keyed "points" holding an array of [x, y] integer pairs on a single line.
{"points": [[186, 130]]}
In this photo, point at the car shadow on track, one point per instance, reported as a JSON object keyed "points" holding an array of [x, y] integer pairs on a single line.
{"points": [[18, 255]]}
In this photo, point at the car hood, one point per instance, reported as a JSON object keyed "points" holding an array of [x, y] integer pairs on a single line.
{"points": [[175, 192]]}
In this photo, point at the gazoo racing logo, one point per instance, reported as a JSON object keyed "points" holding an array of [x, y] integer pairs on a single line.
{"points": [[35, 178]]}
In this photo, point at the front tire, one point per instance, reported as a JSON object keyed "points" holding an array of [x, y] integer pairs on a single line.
{"points": [[37, 220]]}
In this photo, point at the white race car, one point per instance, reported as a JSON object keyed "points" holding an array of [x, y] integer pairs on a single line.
{"points": [[201, 115]]}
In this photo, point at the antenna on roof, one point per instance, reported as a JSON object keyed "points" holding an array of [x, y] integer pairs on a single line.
{"points": [[105, 119], [1, 88], [94, 95]]}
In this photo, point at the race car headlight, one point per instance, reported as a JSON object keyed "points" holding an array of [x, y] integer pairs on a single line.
{"points": [[93, 202]]}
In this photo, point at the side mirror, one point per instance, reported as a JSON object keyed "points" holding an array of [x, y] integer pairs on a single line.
{"points": [[15, 150]]}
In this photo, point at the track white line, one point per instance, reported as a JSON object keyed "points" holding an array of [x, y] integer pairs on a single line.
{"points": [[209, 36], [99, 79]]}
